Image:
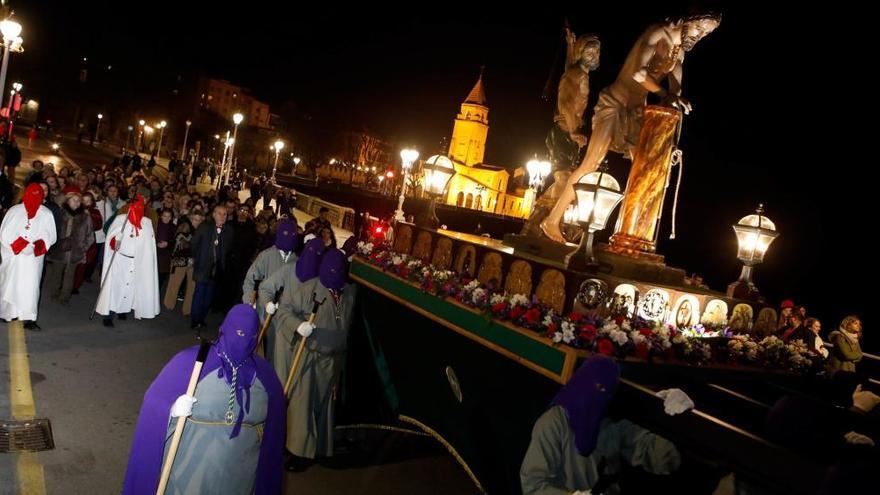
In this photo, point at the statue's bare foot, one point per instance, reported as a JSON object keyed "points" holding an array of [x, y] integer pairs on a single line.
{"points": [[552, 231]]}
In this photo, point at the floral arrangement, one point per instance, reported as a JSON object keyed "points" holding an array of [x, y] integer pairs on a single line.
{"points": [[616, 335]]}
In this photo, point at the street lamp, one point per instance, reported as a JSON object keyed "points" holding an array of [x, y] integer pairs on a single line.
{"points": [[98, 126], [10, 31], [185, 135], [538, 171], [407, 157], [237, 118], [128, 137], [140, 142], [296, 161], [437, 171], [279, 145], [754, 234], [598, 193], [161, 126]]}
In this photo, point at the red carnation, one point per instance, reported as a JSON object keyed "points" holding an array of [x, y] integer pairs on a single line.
{"points": [[499, 307], [605, 347], [642, 350], [516, 312], [533, 315], [619, 319], [575, 317], [588, 332], [551, 329], [646, 332]]}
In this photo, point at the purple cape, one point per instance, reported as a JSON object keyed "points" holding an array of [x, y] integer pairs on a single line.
{"points": [[586, 397], [148, 447]]}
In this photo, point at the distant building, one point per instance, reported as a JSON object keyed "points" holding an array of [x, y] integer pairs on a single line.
{"points": [[478, 185], [224, 99]]}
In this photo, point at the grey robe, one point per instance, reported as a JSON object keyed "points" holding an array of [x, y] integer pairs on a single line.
{"points": [[284, 276], [310, 412], [553, 466], [268, 261], [208, 461]]}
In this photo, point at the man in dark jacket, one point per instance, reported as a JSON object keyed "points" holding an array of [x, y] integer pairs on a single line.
{"points": [[244, 248], [211, 246]]}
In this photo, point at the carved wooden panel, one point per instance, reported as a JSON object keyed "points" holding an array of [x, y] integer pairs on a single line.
{"points": [[466, 260], [519, 278], [403, 239], [551, 289], [422, 248], [490, 270], [442, 259]]}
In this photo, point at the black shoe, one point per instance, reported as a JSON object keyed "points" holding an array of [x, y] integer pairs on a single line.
{"points": [[123, 316], [108, 322], [74, 292], [297, 464], [32, 325]]}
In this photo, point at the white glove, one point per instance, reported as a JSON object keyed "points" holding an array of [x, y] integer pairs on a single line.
{"points": [[271, 308], [183, 406], [675, 401], [858, 439], [305, 329]]}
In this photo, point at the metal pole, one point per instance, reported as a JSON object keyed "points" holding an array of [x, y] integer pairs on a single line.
{"points": [[231, 153], [185, 135], [5, 64]]}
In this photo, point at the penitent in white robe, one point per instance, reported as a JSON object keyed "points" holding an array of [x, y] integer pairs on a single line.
{"points": [[20, 273], [132, 283]]}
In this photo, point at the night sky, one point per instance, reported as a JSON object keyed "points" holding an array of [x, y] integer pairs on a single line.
{"points": [[775, 95]]}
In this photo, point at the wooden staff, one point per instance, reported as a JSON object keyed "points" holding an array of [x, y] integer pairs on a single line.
{"points": [[267, 321], [302, 344], [181, 422]]}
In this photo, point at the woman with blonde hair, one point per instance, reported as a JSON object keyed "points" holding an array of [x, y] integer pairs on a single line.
{"points": [[847, 351]]}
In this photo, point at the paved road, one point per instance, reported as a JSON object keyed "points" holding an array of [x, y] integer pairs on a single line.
{"points": [[89, 381]]}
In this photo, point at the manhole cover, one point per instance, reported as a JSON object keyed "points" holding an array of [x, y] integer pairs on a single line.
{"points": [[32, 435]]}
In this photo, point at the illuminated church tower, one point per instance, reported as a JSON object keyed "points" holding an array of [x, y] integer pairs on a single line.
{"points": [[471, 128]]}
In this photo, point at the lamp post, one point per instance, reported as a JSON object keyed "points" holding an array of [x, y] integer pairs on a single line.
{"points": [[279, 145], [598, 193], [537, 170], [161, 134], [754, 234], [407, 157], [140, 142], [11, 40], [98, 126], [437, 171], [296, 161], [128, 136], [236, 119], [227, 143], [185, 136]]}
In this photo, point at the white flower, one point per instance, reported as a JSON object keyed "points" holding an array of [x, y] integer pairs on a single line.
{"points": [[548, 319], [679, 339], [608, 327], [496, 298], [519, 300], [662, 332], [473, 284], [637, 338], [477, 295], [618, 337], [567, 335], [625, 326], [557, 337], [365, 248], [396, 260]]}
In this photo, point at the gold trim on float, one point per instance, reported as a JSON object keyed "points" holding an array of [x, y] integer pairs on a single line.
{"points": [[428, 430]]}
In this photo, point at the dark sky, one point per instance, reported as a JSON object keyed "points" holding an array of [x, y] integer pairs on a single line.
{"points": [[776, 94]]}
